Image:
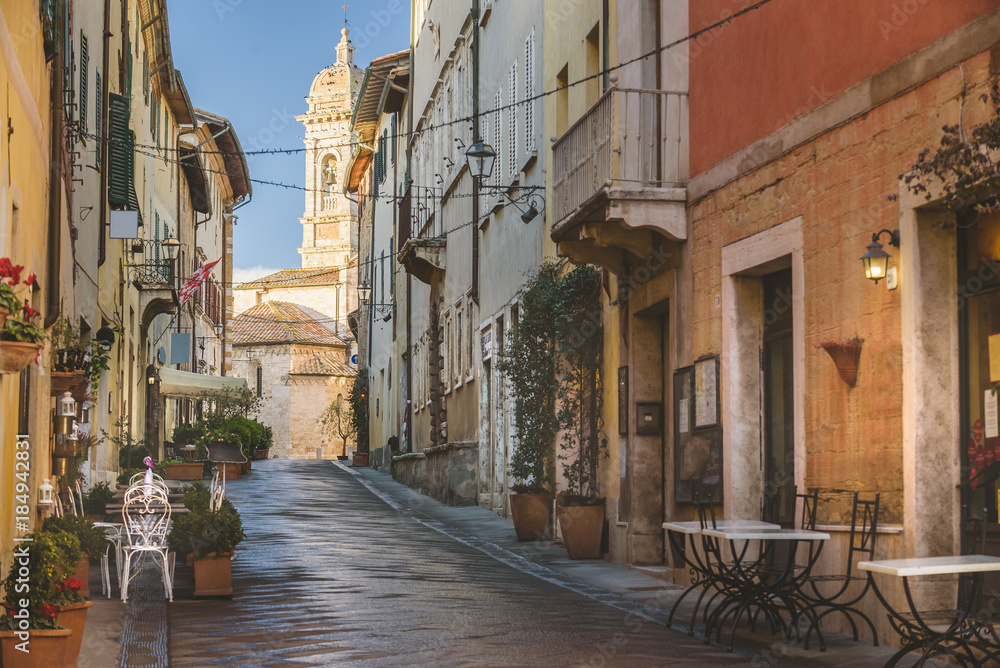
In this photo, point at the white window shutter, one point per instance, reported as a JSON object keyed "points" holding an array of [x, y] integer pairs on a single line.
{"points": [[498, 135], [512, 125], [529, 92]]}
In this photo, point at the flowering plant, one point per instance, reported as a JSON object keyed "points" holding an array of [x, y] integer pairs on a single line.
{"points": [[20, 325], [68, 591], [43, 566]]}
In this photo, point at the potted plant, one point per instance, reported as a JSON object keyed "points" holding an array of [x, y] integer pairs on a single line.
{"points": [[177, 469], [579, 408], [530, 363], [358, 399], [71, 613], [68, 356], [212, 536], [93, 543], [96, 500], [30, 634], [21, 339]]}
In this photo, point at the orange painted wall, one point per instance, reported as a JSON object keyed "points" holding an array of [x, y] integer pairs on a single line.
{"points": [[754, 75]]}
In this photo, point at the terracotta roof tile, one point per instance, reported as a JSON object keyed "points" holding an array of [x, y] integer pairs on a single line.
{"points": [[324, 365], [281, 322], [290, 277]]}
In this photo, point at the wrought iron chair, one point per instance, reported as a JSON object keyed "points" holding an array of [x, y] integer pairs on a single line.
{"points": [[817, 605], [146, 519], [113, 532]]}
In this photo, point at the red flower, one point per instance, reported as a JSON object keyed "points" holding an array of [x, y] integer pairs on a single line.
{"points": [[31, 279], [73, 583], [29, 311], [49, 611]]}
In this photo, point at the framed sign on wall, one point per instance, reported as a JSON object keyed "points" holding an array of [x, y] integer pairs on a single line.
{"points": [[706, 389], [697, 449]]}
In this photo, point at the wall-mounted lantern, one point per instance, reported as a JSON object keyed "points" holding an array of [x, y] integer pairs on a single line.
{"points": [[480, 158], [876, 260]]}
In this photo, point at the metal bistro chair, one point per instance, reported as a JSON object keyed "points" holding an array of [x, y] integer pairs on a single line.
{"points": [[146, 519], [113, 532], [864, 527]]}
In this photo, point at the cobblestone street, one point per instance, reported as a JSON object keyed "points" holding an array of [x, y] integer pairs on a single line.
{"points": [[331, 574]]}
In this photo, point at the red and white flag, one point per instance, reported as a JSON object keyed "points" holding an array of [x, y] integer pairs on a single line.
{"points": [[197, 278]]}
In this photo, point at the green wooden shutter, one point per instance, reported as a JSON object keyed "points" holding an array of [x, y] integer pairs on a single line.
{"points": [[133, 198], [98, 116], [119, 151], [84, 72]]}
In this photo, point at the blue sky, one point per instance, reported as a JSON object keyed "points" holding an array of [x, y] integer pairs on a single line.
{"points": [[253, 61]]}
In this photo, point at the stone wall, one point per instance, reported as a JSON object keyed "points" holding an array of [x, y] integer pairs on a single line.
{"points": [[411, 470], [451, 473], [310, 395]]}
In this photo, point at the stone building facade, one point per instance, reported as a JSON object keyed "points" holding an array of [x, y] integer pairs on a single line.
{"points": [[296, 366]]}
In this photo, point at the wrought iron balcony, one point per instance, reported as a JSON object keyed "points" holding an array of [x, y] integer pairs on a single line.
{"points": [[150, 265], [619, 176]]}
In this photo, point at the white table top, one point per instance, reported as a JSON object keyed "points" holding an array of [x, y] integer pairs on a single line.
{"points": [[766, 533], [695, 527], [966, 563]]}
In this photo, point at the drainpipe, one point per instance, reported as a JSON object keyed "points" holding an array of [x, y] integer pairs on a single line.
{"points": [[475, 139], [103, 131], [56, 186]]}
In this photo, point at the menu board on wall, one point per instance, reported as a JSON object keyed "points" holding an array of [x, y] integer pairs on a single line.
{"points": [[990, 414], [994, 352]]}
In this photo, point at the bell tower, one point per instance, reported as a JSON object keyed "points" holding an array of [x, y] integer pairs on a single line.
{"points": [[329, 222]]}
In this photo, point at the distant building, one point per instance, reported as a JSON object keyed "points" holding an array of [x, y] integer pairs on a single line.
{"points": [[297, 366]]}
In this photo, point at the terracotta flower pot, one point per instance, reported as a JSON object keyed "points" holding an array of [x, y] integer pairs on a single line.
{"points": [[16, 355], [61, 381], [361, 459], [47, 649], [233, 471], [213, 575], [74, 618], [82, 574], [530, 513], [582, 527]]}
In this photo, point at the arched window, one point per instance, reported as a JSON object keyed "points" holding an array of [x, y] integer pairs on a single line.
{"points": [[260, 382]]}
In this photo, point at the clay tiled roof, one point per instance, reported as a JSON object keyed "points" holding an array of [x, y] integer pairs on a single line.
{"points": [[292, 277], [323, 365], [281, 322]]}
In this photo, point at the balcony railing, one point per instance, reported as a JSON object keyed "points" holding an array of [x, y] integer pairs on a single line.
{"points": [[149, 263], [424, 212], [631, 138]]}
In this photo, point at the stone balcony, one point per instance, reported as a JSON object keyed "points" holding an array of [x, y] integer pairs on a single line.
{"points": [[619, 177]]}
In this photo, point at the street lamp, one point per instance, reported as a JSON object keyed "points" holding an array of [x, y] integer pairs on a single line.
{"points": [[218, 329], [364, 293], [876, 260], [480, 158], [171, 245]]}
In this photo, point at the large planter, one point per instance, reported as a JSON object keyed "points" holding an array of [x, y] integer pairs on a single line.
{"points": [[361, 459], [184, 471], [47, 649], [581, 529], [82, 574], [74, 618], [233, 471], [16, 355], [530, 513], [63, 381], [213, 575]]}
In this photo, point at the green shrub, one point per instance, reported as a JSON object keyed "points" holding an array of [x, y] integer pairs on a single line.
{"points": [[52, 557], [92, 540], [96, 499], [203, 531]]}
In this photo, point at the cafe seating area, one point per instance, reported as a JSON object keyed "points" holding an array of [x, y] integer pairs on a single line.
{"points": [[759, 576]]}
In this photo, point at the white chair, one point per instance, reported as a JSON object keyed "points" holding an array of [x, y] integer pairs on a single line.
{"points": [[146, 519], [113, 532], [140, 478]]}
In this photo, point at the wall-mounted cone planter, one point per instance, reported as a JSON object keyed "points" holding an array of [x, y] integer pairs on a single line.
{"points": [[845, 355]]}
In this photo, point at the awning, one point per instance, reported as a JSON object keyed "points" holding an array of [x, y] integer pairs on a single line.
{"points": [[174, 383]]}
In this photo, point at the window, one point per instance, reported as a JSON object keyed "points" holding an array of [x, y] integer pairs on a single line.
{"points": [[84, 73], [529, 92], [260, 382], [512, 170], [459, 348], [447, 350], [392, 132]]}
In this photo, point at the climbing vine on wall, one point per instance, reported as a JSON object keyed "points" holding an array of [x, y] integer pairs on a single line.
{"points": [[964, 165], [553, 364]]}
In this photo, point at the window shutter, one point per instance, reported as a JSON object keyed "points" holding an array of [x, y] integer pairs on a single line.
{"points": [[512, 125], [392, 125], [119, 174], [529, 92], [98, 116], [484, 135], [145, 78], [498, 135], [84, 70]]}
